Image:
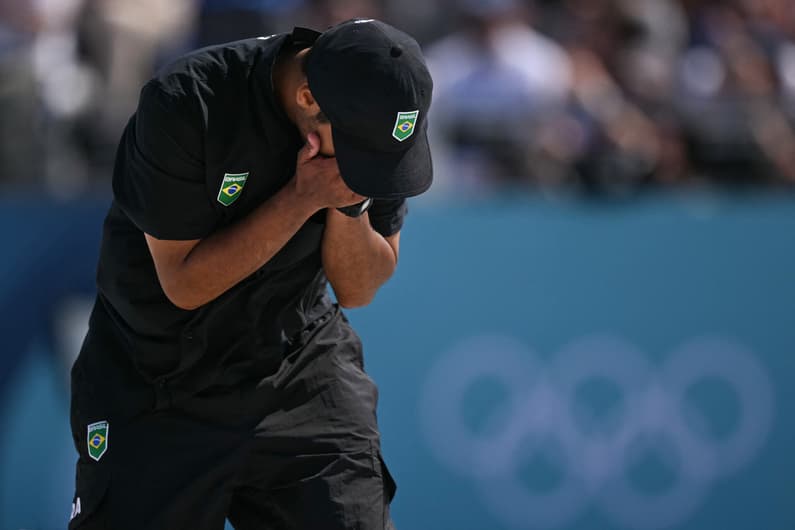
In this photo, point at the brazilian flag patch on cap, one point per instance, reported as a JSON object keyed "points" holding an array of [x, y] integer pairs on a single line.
{"points": [[231, 187], [404, 125]]}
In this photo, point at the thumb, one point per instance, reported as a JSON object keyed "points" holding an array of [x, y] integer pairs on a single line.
{"points": [[310, 149]]}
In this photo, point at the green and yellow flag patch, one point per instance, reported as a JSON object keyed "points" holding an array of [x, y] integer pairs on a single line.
{"points": [[404, 125], [97, 439], [231, 187]]}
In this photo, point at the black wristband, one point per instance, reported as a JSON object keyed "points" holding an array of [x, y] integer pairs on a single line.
{"points": [[356, 210]]}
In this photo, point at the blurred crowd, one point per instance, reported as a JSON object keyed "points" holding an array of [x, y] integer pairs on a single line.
{"points": [[603, 97]]}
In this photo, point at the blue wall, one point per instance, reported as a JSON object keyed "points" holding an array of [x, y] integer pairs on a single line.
{"points": [[541, 365]]}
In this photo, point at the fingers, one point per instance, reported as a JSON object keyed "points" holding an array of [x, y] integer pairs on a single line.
{"points": [[310, 149], [314, 143]]}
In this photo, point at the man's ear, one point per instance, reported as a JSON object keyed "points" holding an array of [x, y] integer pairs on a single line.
{"points": [[305, 100]]}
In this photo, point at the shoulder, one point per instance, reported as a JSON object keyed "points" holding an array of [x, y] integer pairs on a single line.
{"points": [[209, 69]]}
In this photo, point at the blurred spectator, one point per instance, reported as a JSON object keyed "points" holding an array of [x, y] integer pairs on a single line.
{"points": [[494, 78], [615, 135], [730, 93], [68, 87], [123, 41], [19, 145], [321, 14], [230, 20], [44, 86], [426, 20], [71, 71]]}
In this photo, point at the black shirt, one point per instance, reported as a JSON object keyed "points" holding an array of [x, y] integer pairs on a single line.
{"points": [[210, 115]]}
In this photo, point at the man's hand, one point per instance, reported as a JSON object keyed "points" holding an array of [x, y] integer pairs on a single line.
{"points": [[317, 179]]}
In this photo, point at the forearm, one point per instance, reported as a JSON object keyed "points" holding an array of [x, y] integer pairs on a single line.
{"points": [[220, 261], [357, 259]]}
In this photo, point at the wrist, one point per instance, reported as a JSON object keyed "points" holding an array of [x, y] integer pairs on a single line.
{"points": [[335, 216], [357, 210]]}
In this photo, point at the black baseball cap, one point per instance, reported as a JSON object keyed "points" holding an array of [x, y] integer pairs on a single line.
{"points": [[372, 83]]}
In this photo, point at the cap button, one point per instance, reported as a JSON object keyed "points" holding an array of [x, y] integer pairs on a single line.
{"points": [[396, 51]]}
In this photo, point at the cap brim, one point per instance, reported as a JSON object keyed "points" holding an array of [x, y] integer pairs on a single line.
{"points": [[385, 175]]}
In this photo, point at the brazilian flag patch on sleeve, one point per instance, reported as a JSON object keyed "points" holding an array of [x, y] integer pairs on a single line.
{"points": [[97, 439], [231, 187]]}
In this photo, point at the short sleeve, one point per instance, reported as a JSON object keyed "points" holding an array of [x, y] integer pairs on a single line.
{"points": [[159, 178], [386, 215]]}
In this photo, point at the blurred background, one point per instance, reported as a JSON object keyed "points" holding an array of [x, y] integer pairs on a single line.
{"points": [[593, 323]]}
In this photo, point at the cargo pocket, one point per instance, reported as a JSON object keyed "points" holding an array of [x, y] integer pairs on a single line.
{"points": [[389, 488], [90, 500]]}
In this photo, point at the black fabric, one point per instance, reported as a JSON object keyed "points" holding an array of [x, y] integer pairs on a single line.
{"points": [[298, 449], [386, 215], [159, 177]]}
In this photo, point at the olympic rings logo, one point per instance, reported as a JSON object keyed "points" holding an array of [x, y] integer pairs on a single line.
{"points": [[538, 419]]}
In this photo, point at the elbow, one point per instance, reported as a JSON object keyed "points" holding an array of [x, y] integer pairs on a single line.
{"points": [[185, 305], [354, 300], [182, 298], [351, 296]]}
